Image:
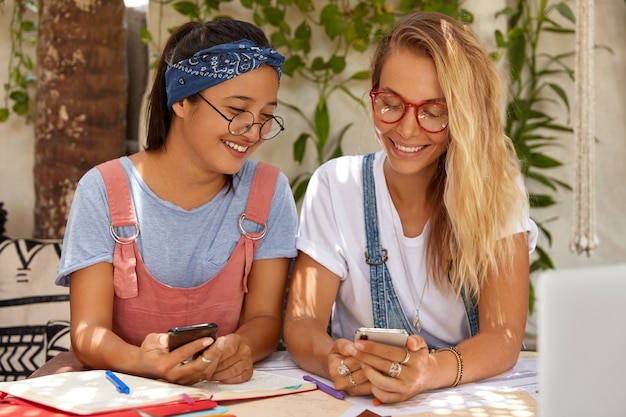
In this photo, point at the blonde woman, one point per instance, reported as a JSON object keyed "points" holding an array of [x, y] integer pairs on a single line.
{"points": [[431, 234]]}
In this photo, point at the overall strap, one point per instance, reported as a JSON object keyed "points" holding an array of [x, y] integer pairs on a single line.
{"points": [[386, 309], [118, 193], [257, 211], [122, 214], [471, 309], [261, 194]]}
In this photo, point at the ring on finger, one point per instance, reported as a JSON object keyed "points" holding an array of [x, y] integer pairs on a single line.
{"points": [[406, 358], [342, 369], [394, 370], [205, 360], [352, 381]]}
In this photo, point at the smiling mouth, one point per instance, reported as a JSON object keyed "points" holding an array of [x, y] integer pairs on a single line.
{"points": [[236, 147], [408, 149]]}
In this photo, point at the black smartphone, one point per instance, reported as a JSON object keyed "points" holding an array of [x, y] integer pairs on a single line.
{"points": [[395, 337], [179, 336]]}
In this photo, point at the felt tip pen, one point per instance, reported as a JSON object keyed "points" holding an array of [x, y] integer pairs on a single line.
{"points": [[120, 386], [326, 388]]}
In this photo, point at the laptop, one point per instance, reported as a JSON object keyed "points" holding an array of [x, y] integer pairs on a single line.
{"points": [[581, 342]]}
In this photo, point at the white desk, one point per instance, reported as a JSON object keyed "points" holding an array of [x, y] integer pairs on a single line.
{"points": [[512, 393]]}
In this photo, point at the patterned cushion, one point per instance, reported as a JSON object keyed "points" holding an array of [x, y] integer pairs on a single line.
{"points": [[34, 312]]}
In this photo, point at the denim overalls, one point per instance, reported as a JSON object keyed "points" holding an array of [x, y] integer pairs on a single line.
{"points": [[144, 305], [386, 307]]}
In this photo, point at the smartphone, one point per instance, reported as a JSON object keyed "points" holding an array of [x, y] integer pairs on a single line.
{"points": [[394, 337], [179, 336]]}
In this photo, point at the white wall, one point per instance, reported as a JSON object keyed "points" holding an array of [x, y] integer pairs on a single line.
{"points": [[16, 149], [16, 138]]}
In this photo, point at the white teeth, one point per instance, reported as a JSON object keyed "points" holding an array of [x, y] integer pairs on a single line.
{"points": [[409, 149], [236, 147]]}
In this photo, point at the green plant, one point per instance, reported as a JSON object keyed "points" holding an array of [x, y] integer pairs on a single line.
{"points": [[20, 64], [533, 93]]}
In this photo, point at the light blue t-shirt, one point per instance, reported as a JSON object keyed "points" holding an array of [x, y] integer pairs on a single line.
{"points": [[180, 248]]}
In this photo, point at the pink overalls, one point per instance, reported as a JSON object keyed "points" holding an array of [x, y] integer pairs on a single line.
{"points": [[144, 305]]}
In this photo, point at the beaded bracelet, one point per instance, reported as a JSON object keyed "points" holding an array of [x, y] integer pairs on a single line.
{"points": [[459, 364]]}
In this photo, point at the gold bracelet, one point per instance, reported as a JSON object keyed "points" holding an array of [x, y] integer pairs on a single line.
{"points": [[459, 364]]}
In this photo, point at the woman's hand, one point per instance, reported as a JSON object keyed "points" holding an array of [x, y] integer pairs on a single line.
{"points": [[234, 360], [156, 359], [346, 371], [394, 374]]}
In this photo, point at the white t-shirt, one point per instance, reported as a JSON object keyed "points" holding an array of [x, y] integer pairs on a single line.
{"points": [[332, 232]]}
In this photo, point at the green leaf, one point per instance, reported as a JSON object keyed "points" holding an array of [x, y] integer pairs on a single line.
{"points": [[561, 93], [274, 15], [318, 64], [292, 65], [565, 11], [303, 31], [322, 124], [4, 114], [19, 96], [544, 161], [28, 26], [543, 262], [21, 107], [248, 4], [500, 41], [541, 200], [517, 52], [299, 147], [188, 9], [338, 151], [212, 4], [332, 21], [305, 5], [360, 75], [145, 35], [300, 190], [337, 64]]}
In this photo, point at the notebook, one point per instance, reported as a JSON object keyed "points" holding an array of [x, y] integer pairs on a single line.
{"points": [[581, 342], [90, 392]]}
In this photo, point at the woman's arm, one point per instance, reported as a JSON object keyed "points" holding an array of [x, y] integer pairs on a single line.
{"points": [[263, 306], [261, 323], [502, 311], [311, 296], [97, 346]]}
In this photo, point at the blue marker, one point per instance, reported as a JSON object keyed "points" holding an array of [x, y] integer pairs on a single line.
{"points": [[120, 386]]}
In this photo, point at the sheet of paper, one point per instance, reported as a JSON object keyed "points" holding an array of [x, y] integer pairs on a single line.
{"points": [[307, 404], [262, 384], [514, 389]]}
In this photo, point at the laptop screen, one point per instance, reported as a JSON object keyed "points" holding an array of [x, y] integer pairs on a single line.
{"points": [[581, 342]]}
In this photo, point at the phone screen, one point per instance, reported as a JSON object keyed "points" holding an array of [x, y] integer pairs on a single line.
{"points": [[395, 337], [179, 336]]}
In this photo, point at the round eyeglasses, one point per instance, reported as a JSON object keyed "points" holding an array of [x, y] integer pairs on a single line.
{"points": [[243, 121], [390, 108]]}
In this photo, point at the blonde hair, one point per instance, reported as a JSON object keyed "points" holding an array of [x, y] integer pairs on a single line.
{"points": [[474, 193]]}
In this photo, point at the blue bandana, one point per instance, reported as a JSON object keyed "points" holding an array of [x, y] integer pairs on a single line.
{"points": [[214, 65]]}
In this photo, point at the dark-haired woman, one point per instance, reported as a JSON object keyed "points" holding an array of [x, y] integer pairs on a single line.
{"points": [[188, 230]]}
